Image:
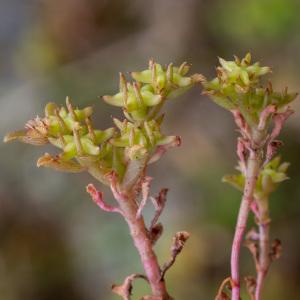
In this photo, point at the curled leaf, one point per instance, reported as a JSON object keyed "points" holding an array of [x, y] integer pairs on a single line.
{"points": [[250, 286], [27, 136], [156, 232], [55, 162], [165, 144], [276, 249], [178, 243], [124, 290]]}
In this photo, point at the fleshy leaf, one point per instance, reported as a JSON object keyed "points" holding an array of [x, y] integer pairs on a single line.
{"points": [[116, 100], [59, 164], [237, 181]]}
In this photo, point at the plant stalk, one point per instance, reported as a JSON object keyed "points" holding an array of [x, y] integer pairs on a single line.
{"points": [[142, 242], [264, 246], [253, 167]]}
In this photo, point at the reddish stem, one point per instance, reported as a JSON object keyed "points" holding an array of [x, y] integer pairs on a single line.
{"points": [[253, 166], [264, 259], [128, 208], [142, 242], [264, 247]]}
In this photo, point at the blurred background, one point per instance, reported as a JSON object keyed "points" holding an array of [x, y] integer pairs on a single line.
{"points": [[54, 242]]}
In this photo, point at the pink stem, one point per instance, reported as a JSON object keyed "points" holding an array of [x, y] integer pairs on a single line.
{"points": [[264, 259], [142, 242], [264, 247], [128, 208], [98, 199], [251, 178]]}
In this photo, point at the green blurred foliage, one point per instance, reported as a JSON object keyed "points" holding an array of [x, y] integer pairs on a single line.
{"points": [[255, 21]]}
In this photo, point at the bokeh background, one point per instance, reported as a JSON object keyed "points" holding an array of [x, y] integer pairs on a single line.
{"points": [[54, 242]]}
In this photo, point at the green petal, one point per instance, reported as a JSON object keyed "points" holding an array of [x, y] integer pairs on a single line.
{"points": [[151, 99], [116, 100], [69, 151], [121, 125], [144, 76], [81, 114], [245, 77], [167, 140], [89, 147], [103, 135], [182, 81], [50, 109], [161, 80], [122, 141], [139, 115]]}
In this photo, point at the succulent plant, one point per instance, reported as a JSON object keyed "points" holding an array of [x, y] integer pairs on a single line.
{"points": [[238, 86], [119, 156], [137, 138], [260, 113]]}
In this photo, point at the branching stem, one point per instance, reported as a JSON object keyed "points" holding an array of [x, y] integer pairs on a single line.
{"points": [[142, 242]]}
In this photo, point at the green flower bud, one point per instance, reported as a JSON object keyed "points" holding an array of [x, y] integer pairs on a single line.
{"points": [[238, 86], [143, 99]]}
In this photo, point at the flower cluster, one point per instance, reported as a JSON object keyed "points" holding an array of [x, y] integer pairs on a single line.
{"points": [[238, 86], [126, 148], [142, 99]]}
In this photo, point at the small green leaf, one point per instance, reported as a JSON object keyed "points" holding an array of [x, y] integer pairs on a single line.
{"points": [[237, 181]]}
